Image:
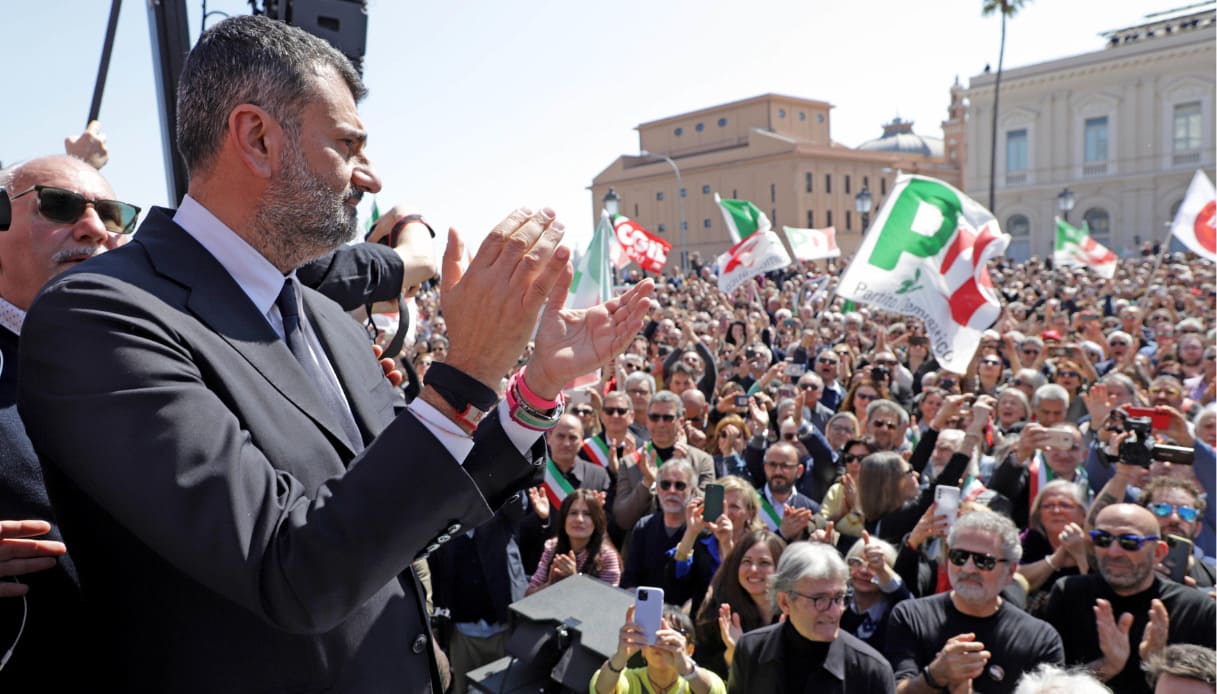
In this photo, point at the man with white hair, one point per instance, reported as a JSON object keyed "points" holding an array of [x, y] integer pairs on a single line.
{"points": [[1119, 350], [1050, 404], [970, 633], [808, 652]]}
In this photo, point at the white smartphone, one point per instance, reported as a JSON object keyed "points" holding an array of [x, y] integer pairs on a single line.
{"points": [[648, 610], [947, 499]]}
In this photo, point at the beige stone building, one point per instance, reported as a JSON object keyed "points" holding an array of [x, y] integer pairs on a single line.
{"points": [[1124, 128], [776, 151]]}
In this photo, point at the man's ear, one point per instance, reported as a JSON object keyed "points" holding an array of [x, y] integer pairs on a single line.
{"points": [[1161, 549], [256, 137]]}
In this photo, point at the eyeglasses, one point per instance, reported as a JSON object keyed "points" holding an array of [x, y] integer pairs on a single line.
{"points": [[1163, 510], [1058, 506], [991, 362], [617, 411], [822, 603], [780, 466], [881, 424], [982, 561], [885, 362], [1068, 374], [852, 457], [1165, 390], [1128, 541], [637, 391], [808, 386], [66, 207], [865, 396], [830, 362], [657, 417], [668, 484], [631, 366], [1032, 352], [790, 436], [1119, 343]]}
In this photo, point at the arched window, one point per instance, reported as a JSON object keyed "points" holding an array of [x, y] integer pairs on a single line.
{"points": [[1019, 229], [1099, 223]]}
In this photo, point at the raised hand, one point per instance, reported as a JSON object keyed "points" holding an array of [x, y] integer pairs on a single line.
{"points": [[540, 502], [1156, 632], [1113, 637], [729, 629]]}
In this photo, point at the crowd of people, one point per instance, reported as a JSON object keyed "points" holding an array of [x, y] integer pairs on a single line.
{"points": [[232, 492]]}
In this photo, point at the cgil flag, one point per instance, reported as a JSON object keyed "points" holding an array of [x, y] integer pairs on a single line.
{"points": [[813, 244], [632, 242], [743, 218], [925, 256], [1194, 224], [755, 255], [1075, 248]]}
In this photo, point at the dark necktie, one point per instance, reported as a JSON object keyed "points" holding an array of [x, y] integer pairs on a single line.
{"points": [[293, 335]]}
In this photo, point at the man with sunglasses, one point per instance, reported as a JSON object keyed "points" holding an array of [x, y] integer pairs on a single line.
{"points": [[1179, 505], [655, 536], [1112, 620], [228, 457], [970, 633], [833, 392]]}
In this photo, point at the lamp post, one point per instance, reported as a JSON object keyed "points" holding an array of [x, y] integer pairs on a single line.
{"points": [[612, 203], [680, 202], [862, 203], [1064, 202]]}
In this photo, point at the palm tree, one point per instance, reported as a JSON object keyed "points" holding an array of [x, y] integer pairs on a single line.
{"points": [[1006, 8]]}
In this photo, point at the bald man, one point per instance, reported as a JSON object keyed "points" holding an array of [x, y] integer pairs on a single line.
{"points": [[1111, 620]]}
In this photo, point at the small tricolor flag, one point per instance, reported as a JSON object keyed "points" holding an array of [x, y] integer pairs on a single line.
{"points": [[770, 515], [556, 486], [597, 450]]}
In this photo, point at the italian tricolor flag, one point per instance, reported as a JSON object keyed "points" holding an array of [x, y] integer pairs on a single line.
{"points": [[1074, 247], [596, 450], [557, 487]]}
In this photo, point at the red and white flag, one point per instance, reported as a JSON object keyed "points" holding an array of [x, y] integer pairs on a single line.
{"points": [[640, 245], [1193, 224]]}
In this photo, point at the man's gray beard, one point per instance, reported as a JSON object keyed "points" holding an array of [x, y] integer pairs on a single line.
{"points": [[300, 219], [1131, 579]]}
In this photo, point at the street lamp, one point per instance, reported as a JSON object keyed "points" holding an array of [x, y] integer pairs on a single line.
{"points": [[1064, 202], [680, 202], [862, 203], [612, 203]]}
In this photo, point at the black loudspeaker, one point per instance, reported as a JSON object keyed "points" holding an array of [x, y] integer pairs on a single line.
{"points": [[344, 23], [6, 210], [561, 635]]}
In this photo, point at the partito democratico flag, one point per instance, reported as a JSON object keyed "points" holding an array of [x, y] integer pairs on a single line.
{"points": [[1193, 225], [925, 256], [813, 244], [1075, 248], [755, 255]]}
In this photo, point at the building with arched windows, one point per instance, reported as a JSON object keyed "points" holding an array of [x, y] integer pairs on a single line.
{"points": [[1124, 128]]}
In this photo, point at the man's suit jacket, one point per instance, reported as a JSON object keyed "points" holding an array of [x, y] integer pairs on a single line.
{"points": [[225, 534], [851, 666]]}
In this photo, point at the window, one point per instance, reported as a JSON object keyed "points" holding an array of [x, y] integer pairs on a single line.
{"points": [[1016, 151], [659, 196], [699, 127], [866, 181], [849, 220], [827, 183], [828, 218], [735, 194], [707, 223], [807, 180], [882, 187], [781, 113], [662, 229], [1019, 228], [811, 219], [722, 122], [802, 115], [635, 210], [1187, 126], [847, 185], [705, 190], [773, 216], [1095, 140], [1018, 225], [1099, 223], [679, 132], [773, 192]]}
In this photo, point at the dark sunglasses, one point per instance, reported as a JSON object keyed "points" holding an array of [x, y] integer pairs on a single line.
{"points": [[1128, 541], [991, 362], [66, 207], [1068, 374], [1163, 510], [583, 411], [851, 458], [880, 424], [619, 411], [668, 484], [656, 417], [864, 396], [983, 562], [808, 386]]}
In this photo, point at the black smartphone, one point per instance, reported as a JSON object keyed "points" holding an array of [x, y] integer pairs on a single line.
{"points": [[741, 401], [1177, 556], [713, 508]]}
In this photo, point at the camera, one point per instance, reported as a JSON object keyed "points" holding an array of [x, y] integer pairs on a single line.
{"points": [[749, 353], [1139, 448], [878, 373], [643, 594]]}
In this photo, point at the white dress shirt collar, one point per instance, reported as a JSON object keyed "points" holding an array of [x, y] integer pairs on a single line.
{"points": [[11, 317]]}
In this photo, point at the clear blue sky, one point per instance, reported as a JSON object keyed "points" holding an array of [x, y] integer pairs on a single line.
{"points": [[476, 108]]}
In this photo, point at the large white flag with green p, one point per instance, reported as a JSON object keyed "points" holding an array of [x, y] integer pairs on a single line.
{"points": [[743, 218], [925, 256], [1075, 248]]}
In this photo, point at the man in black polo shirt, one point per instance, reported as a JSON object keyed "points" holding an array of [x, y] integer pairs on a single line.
{"points": [[1112, 620]]}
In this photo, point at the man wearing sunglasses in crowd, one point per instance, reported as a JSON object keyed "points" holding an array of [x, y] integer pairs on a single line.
{"points": [[1112, 620], [970, 633]]}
